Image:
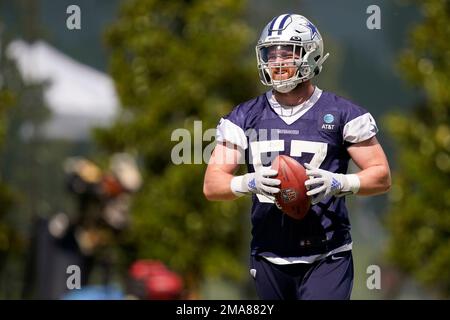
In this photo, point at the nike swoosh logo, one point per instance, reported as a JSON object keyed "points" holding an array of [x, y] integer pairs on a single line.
{"points": [[336, 258]]}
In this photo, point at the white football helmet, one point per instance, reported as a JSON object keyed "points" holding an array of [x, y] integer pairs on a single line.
{"points": [[297, 34]]}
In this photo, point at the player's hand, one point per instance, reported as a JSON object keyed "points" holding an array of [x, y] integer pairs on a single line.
{"points": [[261, 182], [323, 184]]}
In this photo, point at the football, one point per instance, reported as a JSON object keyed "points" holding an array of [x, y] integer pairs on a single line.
{"points": [[292, 198]]}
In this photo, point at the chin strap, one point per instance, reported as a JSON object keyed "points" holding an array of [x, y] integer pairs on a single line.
{"points": [[285, 88]]}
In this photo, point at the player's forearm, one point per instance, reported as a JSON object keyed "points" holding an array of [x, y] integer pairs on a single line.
{"points": [[374, 180], [216, 186]]}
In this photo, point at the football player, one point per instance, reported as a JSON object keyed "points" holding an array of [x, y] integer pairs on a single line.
{"points": [[309, 258]]}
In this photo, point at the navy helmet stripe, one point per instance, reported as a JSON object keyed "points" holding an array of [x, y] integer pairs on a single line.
{"points": [[282, 23], [271, 26]]}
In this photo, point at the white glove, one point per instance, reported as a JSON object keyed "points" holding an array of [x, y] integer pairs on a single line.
{"points": [[258, 182], [323, 184]]}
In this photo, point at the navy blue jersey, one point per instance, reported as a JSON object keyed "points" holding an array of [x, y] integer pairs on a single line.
{"points": [[317, 132]]}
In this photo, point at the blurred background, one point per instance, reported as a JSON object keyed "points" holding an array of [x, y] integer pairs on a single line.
{"points": [[90, 95]]}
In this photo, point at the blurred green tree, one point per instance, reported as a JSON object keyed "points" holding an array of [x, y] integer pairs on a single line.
{"points": [[419, 220], [10, 241], [175, 62], [30, 164], [6, 195]]}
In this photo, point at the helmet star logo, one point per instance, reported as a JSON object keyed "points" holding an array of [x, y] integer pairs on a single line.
{"points": [[313, 29]]}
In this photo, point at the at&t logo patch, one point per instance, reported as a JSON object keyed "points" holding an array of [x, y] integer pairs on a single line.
{"points": [[328, 119]]}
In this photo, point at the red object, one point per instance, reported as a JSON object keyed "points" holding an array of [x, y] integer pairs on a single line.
{"points": [[111, 186], [160, 283], [292, 197], [164, 286], [143, 269]]}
